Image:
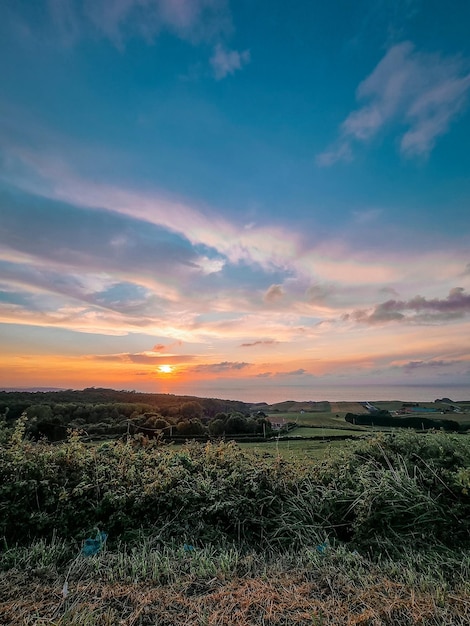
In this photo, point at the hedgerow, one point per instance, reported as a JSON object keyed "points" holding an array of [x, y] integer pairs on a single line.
{"points": [[384, 492]]}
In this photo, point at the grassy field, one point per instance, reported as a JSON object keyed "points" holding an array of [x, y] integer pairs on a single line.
{"points": [[293, 450], [319, 419], [331, 414], [305, 431]]}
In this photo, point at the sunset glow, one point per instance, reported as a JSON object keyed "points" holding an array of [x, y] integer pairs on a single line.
{"points": [[200, 196]]}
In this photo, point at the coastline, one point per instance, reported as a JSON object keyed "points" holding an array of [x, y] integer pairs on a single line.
{"points": [[326, 393]]}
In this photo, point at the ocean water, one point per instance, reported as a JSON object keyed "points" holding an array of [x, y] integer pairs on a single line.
{"points": [[336, 393]]}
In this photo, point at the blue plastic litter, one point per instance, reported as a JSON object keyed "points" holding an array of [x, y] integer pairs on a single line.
{"points": [[188, 547], [322, 547], [93, 546]]}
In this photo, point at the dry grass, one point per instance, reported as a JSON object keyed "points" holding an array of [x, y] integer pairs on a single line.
{"points": [[287, 600], [304, 596]]}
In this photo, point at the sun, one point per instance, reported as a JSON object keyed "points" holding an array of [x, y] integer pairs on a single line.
{"points": [[165, 369]]}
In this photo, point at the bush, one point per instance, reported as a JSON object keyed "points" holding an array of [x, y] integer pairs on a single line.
{"points": [[388, 490], [401, 487]]}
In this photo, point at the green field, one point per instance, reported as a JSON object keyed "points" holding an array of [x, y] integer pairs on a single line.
{"points": [[331, 415], [323, 419], [305, 431], [304, 451]]}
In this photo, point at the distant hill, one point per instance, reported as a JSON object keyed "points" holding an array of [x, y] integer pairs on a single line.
{"points": [[31, 389], [98, 395], [292, 406]]}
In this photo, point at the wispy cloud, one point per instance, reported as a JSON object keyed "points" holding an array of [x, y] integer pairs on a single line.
{"points": [[341, 151], [143, 358], [366, 216], [300, 372], [191, 20], [266, 245], [266, 342], [420, 91], [225, 62], [64, 23]]}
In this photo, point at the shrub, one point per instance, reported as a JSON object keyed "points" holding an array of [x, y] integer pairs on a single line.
{"points": [[405, 486], [388, 490]]}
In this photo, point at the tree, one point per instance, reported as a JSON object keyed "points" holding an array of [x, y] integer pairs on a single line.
{"points": [[236, 424], [191, 410], [191, 428], [217, 427]]}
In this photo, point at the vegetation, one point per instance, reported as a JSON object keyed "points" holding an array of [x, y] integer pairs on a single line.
{"points": [[376, 531], [406, 484], [149, 584], [105, 413], [384, 418]]}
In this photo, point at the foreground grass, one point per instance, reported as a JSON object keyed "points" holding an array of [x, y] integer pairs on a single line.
{"points": [[148, 583]]}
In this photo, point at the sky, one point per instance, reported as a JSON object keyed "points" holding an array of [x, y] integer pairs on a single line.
{"points": [[234, 194]]}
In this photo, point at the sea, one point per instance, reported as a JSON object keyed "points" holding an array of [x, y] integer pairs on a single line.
{"points": [[336, 393]]}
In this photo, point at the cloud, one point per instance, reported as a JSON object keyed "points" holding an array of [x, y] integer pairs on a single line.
{"points": [[417, 310], [91, 238], [159, 347], [65, 20], [274, 293], [119, 20], [83, 319], [318, 294], [420, 365], [340, 152], [225, 62], [298, 372], [222, 239], [142, 358], [210, 266], [366, 216], [389, 290], [420, 91], [217, 368], [267, 342]]}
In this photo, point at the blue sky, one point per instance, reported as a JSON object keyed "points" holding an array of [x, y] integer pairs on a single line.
{"points": [[252, 193]]}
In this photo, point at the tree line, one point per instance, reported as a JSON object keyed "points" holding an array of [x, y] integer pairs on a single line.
{"points": [[110, 413]]}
